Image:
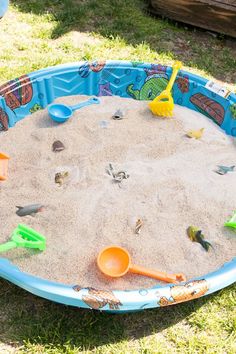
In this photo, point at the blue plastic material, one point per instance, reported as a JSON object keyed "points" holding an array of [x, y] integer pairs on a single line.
{"points": [[60, 113], [3, 7], [142, 81]]}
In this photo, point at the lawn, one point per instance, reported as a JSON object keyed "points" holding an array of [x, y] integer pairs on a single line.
{"points": [[36, 34]]}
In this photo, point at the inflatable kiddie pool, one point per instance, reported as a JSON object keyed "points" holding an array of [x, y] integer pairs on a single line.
{"points": [[142, 81]]}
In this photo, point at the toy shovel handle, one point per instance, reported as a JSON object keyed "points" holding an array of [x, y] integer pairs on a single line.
{"points": [[168, 278], [7, 246], [92, 100], [176, 67]]}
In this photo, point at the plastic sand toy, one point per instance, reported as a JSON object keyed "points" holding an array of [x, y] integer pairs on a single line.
{"points": [[32, 209], [197, 134], [60, 113], [116, 261], [3, 166], [231, 222], [24, 237], [223, 170], [163, 104]]}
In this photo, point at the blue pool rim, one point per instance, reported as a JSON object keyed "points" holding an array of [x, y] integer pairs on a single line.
{"points": [[3, 7], [28, 93]]}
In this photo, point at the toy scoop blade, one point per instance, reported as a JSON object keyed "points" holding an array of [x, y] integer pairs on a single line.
{"points": [[25, 237], [163, 105]]}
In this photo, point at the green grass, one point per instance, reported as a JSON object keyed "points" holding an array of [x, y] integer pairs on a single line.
{"points": [[36, 34], [33, 325]]}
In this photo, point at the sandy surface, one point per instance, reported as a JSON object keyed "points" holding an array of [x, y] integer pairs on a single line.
{"points": [[172, 185]]}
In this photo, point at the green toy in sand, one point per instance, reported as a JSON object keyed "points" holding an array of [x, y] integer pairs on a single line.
{"points": [[195, 235], [231, 222], [24, 237]]}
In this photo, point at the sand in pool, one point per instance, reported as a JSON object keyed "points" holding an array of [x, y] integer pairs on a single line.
{"points": [[171, 185]]}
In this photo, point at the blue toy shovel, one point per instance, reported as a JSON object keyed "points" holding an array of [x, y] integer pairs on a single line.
{"points": [[60, 113]]}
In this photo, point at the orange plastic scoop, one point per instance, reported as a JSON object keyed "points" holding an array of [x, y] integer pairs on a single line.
{"points": [[3, 166], [115, 262]]}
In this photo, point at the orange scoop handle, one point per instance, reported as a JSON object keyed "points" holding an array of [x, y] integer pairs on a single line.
{"points": [[168, 278]]}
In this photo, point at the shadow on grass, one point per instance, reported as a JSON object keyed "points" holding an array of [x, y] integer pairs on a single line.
{"points": [[130, 21], [25, 318]]}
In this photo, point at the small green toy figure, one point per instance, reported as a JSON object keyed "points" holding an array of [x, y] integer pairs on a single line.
{"points": [[35, 108], [195, 235]]}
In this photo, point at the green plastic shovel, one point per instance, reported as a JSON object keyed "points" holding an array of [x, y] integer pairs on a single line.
{"points": [[231, 222], [25, 237]]}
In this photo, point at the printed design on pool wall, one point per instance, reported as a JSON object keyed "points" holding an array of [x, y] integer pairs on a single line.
{"points": [[97, 299], [208, 107], [180, 293], [17, 92], [104, 83], [4, 120], [104, 89], [95, 66], [157, 69], [182, 82], [155, 82], [233, 110]]}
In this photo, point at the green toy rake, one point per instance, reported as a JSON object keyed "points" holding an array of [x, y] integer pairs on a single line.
{"points": [[24, 237]]}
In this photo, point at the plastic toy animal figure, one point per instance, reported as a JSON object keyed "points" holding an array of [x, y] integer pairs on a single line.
{"points": [[4, 120], [117, 176], [222, 170], [195, 235], [35, 108], [60, 177], [58, 146], [118, 115], [197, 134], [97, 299], [138, 226], [17, 92], [180, 293], [29, 209]]}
